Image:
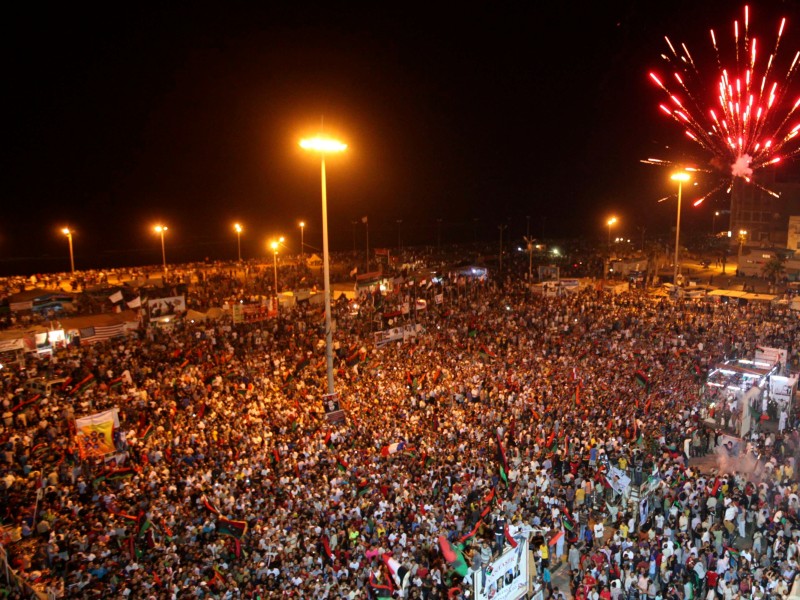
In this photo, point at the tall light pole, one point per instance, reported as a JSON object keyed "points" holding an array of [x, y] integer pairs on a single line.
{"points": [[680, 177], [274, 245], [612, 221], [742, 240], [238, 229], [302, 238], [161, 230], [714, 223], [325, 146], [67, 232]]}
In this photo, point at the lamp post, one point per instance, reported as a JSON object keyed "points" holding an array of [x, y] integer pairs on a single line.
{"points": [[742, 240], [302, 238], [714, 223], [238, 229], [274, 246], [325, 146], [67, 232], [680, 177], [609, 223], [161, 230]]}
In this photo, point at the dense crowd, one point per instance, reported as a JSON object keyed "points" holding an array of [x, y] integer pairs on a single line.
{"points": [[222, 425]]}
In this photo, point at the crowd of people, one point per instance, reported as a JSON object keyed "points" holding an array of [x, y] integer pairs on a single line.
{"points": [[230, 481]]}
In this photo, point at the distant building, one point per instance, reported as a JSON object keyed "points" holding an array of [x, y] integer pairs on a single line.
{"points": [[764, 217]]}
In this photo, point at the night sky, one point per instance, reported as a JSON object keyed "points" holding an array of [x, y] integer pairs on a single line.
{"points": [[190, 114]]}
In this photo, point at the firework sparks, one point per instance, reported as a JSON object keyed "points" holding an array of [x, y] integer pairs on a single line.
{"points": [[751, 120]]}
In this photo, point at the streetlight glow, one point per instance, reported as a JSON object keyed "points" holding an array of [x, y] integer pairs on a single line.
{"points": [[68, 232], [323, 145], [302, 238], [238, 228], [161, 230], [681, 177]]}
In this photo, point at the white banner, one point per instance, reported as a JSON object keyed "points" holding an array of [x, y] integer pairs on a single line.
{"points": [[782, 389], [506, 578], [164, 307]]}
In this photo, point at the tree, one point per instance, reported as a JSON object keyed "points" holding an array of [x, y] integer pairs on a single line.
{"points": [[774, 269]]}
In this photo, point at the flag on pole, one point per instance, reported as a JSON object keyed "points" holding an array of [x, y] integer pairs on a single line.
{"points": [[115, 297], [453, 557]]}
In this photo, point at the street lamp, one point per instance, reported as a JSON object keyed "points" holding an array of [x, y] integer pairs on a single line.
{"points": [[680, 177], [325, 146], [238, 229], [302, 238], [610, 222], [714, 223], [66, 231], [161, 230], [742, 240], [274, 245]]}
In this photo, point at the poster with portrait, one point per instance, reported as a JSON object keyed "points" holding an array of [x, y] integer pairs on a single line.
{"points": [[159, 308], [95, 434], [505, 578]]}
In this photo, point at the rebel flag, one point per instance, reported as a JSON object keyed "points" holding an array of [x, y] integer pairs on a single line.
{"points": [[380, 590], [342, 465], [327, 553], [400, 574], [229, 528], [509, 539], [577, 396], [471, 533], [453, 557], [501, 460], [642, 379], [209, 506]]}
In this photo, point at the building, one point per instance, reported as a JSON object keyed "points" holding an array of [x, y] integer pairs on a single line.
{"points": [[763, 216]]}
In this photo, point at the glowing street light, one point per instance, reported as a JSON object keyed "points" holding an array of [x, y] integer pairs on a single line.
{"points": [[238, 228], [67, 232], [161, 230], [275, 244], [742, 240], [681, 177], [302, 238], [609, 223], [325, 146]]}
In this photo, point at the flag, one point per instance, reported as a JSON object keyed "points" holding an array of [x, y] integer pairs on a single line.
{"points": [[399, 573], [135, 303], [115, 297], [115, 383], [501, 460], [209, 506], [392, 448], [567, 523], [437, 377], [354, 272], [379, 590], [234, 529], [342, 465], [327, 553], [577, 396], [453, 557], [471, 533], [642, 379], [146, 526], [508, 537]]}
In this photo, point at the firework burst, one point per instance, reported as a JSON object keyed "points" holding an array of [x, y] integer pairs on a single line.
{"points": [[748, 120]]}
